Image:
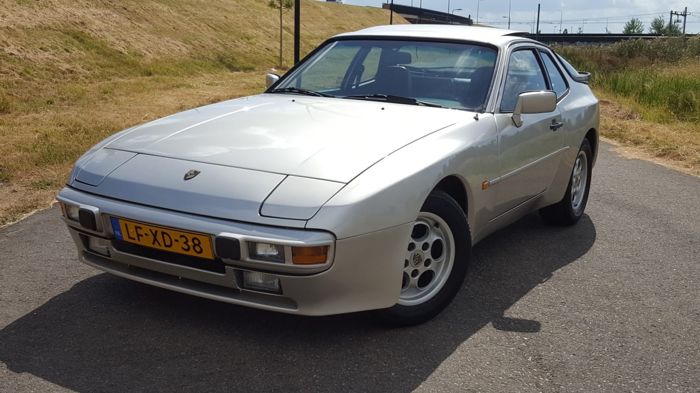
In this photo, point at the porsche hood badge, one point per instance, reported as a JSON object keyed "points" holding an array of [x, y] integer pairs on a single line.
{"points": [[192, 173]]}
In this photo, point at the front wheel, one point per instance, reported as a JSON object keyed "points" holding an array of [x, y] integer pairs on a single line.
{"points": [[570, 209], [437, 256]]}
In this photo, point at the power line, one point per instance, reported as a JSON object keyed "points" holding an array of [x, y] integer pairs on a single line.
{"points": [[604, 18]]}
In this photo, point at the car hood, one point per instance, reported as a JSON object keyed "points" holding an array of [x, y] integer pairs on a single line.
{"points": [[323, 138]]}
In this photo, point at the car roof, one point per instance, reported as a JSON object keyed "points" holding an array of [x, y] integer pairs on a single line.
{"points": [[489, 35]]}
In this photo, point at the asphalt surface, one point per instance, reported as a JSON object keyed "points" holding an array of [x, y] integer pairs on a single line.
{"points": [[611, 304]]}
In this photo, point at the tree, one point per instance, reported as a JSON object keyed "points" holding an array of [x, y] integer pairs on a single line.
{"points": [[634, 26], [673, 29], [566, 31], [658, 26], [281, 5]]}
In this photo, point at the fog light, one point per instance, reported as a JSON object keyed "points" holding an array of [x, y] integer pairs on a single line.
{"points": [[258, 281], [266, 252], [309, 255], [71, 212]]}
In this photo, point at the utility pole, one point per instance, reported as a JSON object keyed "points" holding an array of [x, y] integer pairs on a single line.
{"points": [[297, 26], [561, 19], [670, 20], [391, 13], [509, 1], [477, 11], [684, 14], [537, 29]]}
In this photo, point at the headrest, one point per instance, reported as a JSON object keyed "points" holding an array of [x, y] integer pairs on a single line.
{"points": [[398, 58]]}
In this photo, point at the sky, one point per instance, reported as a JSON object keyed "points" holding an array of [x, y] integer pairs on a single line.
{"points": [[591, 16]]}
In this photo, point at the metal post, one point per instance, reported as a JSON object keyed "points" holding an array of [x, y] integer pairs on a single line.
{"points": [[561, 19], [478, 2], [297, 26], [670, 20], [391, 13], [448, 6], [685, 14], [509, 1], [537, 29]]}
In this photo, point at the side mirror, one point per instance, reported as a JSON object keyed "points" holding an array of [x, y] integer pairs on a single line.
{"points": [[271, 79], [533, 102]]}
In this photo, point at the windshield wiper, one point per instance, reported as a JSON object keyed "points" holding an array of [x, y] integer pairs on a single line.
{"points": [[393, 99], [297, 90]]}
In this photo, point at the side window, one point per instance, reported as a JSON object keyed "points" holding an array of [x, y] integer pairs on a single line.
{"points": [[558, 82], [524, 74]]}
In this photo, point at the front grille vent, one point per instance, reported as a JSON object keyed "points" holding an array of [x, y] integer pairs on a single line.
{"points": [[210, 265]]}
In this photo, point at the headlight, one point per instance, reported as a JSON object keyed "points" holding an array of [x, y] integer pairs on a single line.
{"points": [[270, 252], [266, 252]]}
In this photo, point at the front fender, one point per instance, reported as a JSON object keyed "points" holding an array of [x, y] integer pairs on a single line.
{"points": [[391, 192]]}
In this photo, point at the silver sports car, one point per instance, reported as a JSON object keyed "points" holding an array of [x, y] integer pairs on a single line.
{"points": [[359, 180]]}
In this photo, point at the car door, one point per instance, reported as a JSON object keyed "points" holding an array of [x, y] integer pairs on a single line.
{"points": [[528, 154]]}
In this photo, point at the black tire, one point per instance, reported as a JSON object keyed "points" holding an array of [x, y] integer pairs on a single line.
{"points": [[444, 206], [563, 212]]}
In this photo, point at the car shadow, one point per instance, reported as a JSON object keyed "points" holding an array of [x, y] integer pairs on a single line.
{"points": [[111, 334]]}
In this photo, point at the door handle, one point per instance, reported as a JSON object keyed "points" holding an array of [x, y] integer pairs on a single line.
{"points": [[555, 125]]}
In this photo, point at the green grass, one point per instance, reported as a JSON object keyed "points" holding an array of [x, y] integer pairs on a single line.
{"points": [[650, 95], [662, 76]]}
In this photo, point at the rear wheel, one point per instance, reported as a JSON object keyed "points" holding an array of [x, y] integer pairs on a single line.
{"points": [[437, 256], [570, 209]]}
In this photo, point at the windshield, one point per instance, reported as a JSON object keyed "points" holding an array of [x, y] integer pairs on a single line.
{"points": [[451, 75]]}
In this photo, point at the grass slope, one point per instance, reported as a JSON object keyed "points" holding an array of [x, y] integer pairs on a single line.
{"points": [[75, 71], [650, 95]]}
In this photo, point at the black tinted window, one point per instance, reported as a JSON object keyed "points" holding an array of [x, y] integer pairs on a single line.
{"points": [[558, 82]]}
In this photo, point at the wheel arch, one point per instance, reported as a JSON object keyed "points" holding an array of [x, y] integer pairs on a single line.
{"points": [[592, 136], [455, 187]]}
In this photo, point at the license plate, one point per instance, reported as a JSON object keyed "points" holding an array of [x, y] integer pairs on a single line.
{"points": [[165, 239]]}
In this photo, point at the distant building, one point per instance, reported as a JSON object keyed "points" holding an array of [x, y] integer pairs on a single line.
{"points": [[335, 1], [418, 15]]}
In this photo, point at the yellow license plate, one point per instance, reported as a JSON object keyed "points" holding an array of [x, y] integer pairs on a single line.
{"points": [[165, 239]]}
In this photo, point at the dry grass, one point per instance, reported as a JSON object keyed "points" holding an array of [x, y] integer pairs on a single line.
{"points": [[674, 143], [75, 71], [39, 147]]}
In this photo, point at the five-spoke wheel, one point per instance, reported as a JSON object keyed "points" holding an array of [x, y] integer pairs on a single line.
{"points": [[429, 259], [435, 263]]}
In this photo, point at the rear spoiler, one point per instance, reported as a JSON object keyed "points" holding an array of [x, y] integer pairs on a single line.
{"points": [[582, 77]]}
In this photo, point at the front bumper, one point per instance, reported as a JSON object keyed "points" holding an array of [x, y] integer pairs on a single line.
{"points": [[363, 272]]}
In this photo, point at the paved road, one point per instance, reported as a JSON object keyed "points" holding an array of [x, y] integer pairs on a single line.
{"points": [[612, 304]]}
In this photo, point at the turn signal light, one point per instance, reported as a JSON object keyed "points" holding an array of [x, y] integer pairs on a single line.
{"points": [[309, 255]]}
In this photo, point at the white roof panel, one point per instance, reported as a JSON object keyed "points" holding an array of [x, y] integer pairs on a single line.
{"points": [[454, 32]]}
